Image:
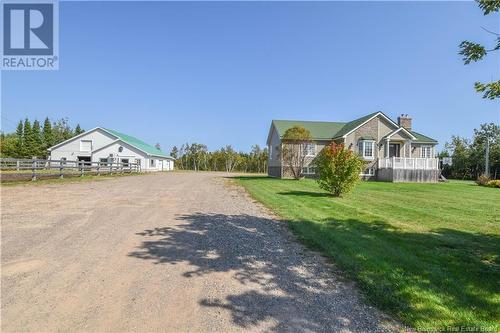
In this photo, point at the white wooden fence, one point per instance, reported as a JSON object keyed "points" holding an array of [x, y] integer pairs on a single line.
{"points": [[60, 168], [407, 163]]}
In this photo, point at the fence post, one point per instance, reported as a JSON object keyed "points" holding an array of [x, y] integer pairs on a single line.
{"points": [[61, 169], [33, 172], [80, 163], [17, 165], [98, 168]]}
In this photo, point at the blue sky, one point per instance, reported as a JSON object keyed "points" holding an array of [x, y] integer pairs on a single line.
{"points": [[218, 72]]}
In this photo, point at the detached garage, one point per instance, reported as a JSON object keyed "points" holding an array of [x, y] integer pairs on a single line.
{"points": [[109, 146]]}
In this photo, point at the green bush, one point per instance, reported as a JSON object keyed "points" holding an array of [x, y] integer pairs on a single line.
{"points": [[338, 169]]}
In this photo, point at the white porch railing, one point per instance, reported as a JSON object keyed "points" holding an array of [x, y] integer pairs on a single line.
{"points": [[408, 163]]}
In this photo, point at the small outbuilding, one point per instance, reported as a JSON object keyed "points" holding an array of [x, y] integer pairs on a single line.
{"points": [[108, 146]]}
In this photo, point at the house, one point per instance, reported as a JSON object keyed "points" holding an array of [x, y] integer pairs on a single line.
{"points": [[109, 146], [393, 151]]}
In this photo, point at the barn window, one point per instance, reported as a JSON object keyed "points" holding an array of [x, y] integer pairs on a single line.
{"points": [[85, 145], [125, 162], [152, 162], [120, 149]]}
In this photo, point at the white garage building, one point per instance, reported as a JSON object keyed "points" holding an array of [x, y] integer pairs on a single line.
{"points": [[106, 146]]}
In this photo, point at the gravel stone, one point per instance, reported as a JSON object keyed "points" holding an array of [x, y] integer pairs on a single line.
{"points": [[169, 252]]}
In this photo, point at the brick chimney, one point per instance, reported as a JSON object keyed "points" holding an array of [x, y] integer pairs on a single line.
{"points": [[405, 121]]}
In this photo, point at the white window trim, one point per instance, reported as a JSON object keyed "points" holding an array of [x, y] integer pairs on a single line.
{"points": [[91, 144], [371, 172], [364, 142], [308, 170], [307, 150], [422, 151]]}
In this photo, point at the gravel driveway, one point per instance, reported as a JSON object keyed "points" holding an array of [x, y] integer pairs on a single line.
{"points": [[178, 252]]}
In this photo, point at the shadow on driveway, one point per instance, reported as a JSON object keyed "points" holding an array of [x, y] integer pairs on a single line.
{"points": [[293, 289]]}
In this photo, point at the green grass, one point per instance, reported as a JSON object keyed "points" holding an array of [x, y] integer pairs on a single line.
{"points": [[426, 253]]}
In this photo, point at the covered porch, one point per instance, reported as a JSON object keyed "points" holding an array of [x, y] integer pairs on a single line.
{"points": [[403, 162]]}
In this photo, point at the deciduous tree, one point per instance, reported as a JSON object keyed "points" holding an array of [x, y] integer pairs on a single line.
{"points": [[293, 152], [473, 52]]}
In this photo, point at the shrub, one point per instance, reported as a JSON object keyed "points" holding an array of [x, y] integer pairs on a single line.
{"points": [[482, 180], [338, 169], [493, 183]]}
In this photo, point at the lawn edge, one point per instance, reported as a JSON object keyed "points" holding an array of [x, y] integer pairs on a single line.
{"points": [[392, 319]]}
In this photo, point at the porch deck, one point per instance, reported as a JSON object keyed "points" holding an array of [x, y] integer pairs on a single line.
{"points": [[403, 169]]}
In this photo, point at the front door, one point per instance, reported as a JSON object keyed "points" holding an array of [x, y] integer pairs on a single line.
{"points": [[394, 150]]}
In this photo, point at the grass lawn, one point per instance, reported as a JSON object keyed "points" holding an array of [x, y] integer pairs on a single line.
{"points": [[427, 253]]}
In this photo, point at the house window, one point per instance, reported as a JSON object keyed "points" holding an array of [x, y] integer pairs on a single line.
{"points": [[425, 152], [309, 170], [151, 162], [310, 149], [85, 145], [368, 172], [366, 148]]}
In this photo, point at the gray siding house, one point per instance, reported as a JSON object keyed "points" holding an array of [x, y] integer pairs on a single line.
{"points": [[393, 151]]}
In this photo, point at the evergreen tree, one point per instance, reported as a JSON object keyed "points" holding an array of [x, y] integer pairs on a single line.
{"points": [[175, 152], [19, 143], [78, 129], [28, 140], [47, 135], [37, 140]]}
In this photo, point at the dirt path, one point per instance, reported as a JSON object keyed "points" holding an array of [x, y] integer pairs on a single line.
{"points": [[178, 252]]}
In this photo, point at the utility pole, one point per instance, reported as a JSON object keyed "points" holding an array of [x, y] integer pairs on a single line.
{"points": [[487, 159]]}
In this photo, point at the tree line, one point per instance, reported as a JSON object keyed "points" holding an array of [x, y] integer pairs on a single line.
{"points": [[32, 139], [469, 155], [195, 156]]}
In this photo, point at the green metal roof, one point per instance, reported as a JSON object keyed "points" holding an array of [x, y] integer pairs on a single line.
{"points": [[422, 138], [325, 130], [137, 143], [319, 129], [353, 124]]}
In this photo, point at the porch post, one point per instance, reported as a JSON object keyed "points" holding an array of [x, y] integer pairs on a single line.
{"points": [[387, 148]]}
